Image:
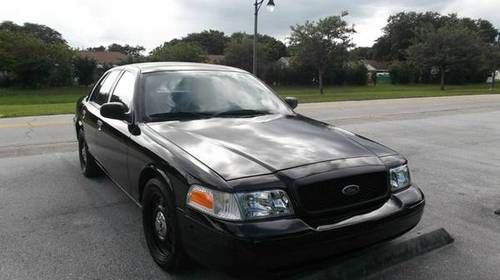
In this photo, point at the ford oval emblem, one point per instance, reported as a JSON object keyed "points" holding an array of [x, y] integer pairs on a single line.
{"points": [[350, 190]]}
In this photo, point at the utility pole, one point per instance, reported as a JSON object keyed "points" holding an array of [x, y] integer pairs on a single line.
{"points": [[257, 5]]}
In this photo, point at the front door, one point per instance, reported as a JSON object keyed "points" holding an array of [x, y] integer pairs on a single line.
{"points": [[92, 121], [114, 134]]}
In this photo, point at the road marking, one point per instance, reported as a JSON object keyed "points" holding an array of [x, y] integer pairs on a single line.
{"points": [[41, 124]]}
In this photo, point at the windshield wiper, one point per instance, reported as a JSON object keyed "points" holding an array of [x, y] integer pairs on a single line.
{"points": [[242, 112], [180, 115], [200, 115]]}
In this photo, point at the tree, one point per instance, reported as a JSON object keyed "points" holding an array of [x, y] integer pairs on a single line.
{"points": [[33, 62], [403, 28], [41, 32], [60, 57], [178, 51], [492, 59], [126, 49], [322, 43], [271, 47], [85, 70], [400, 32], [212, 41], [97, 49], [445, 47], [238, 54], [486, 30], [116, 48], [361, 53]]}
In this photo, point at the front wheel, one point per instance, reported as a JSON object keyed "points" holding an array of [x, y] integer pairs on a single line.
{"points": [[87, 162], [160, 226]]}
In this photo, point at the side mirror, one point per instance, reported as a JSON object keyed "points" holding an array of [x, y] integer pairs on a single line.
{"points": [[292, 102], [114, 110]]}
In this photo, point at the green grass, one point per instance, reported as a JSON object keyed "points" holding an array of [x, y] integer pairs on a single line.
{"points": [[381, 91], [36, 109], [30, 102]]}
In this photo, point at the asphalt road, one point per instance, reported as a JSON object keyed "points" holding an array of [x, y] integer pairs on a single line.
{"points": [[56, 224]]}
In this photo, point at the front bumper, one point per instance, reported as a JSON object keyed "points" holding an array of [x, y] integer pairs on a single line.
{"points": [[277, 244]]}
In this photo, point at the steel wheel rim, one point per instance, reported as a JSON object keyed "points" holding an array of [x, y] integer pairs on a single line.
{"points": [[160, 225], [161, 229]]}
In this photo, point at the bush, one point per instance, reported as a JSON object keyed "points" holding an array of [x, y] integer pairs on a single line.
{"points": [[402, 73], [469, 73], [337, 75], [296, 74], [356, 74]]}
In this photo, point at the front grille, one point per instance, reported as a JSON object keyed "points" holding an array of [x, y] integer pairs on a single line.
{"points": [[328, 196]]}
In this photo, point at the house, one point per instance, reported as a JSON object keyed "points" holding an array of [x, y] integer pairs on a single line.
{"points": [[283, 62], [375, 66], [105, 59], [378, 71], [214, 58]]}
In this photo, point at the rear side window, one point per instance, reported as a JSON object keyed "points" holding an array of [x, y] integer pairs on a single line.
{"points": [[102, 90], [124, 90]]}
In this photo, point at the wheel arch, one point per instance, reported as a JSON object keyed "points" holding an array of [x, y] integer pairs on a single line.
{"points": [[152, 171]]}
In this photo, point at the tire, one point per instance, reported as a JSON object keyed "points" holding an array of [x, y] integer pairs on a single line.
{"points": [[161, 228], [87, 162]]}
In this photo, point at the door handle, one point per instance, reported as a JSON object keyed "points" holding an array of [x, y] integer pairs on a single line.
{"points": [[99, 125]]}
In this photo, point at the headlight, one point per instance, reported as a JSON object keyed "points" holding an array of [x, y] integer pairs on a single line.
{"points": [[400, 177], [264, 204], [239, 206]]}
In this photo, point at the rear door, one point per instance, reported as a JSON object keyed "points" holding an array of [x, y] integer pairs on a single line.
{"points": [[114, 134], [91, 116]]}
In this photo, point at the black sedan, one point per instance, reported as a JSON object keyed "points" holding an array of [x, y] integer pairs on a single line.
{"points": [[228, 174]]}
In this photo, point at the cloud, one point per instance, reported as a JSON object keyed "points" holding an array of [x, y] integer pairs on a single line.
{"points": [[86, 23], [485, 9]]}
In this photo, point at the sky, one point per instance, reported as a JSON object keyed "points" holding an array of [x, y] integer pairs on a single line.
{"points": [[87, 23]]}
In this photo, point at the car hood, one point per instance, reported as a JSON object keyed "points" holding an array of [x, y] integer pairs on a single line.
{"points": [[252, 146]]}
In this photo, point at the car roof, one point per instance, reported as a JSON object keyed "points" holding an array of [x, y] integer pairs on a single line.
{"points": [[148, 67]]}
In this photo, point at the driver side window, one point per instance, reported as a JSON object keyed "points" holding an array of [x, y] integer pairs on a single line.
{"points": [[124, 90], [103, 89]]}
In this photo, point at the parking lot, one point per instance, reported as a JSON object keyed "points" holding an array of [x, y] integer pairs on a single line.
{"points": [[56, 224]]}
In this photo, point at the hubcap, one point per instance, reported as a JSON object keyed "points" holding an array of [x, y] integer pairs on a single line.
{"points": [[161, 225]]}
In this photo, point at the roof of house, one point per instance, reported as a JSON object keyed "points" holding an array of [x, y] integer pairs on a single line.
{"points": [[374, 65], [215, 58], [284, 62], [104, 57]]}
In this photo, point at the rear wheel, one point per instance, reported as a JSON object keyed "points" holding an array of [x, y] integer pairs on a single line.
{"points": [[87, 161], [160, 226]]}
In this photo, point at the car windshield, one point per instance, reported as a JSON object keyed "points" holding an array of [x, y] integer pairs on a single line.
{"points": [[202, 94]]}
